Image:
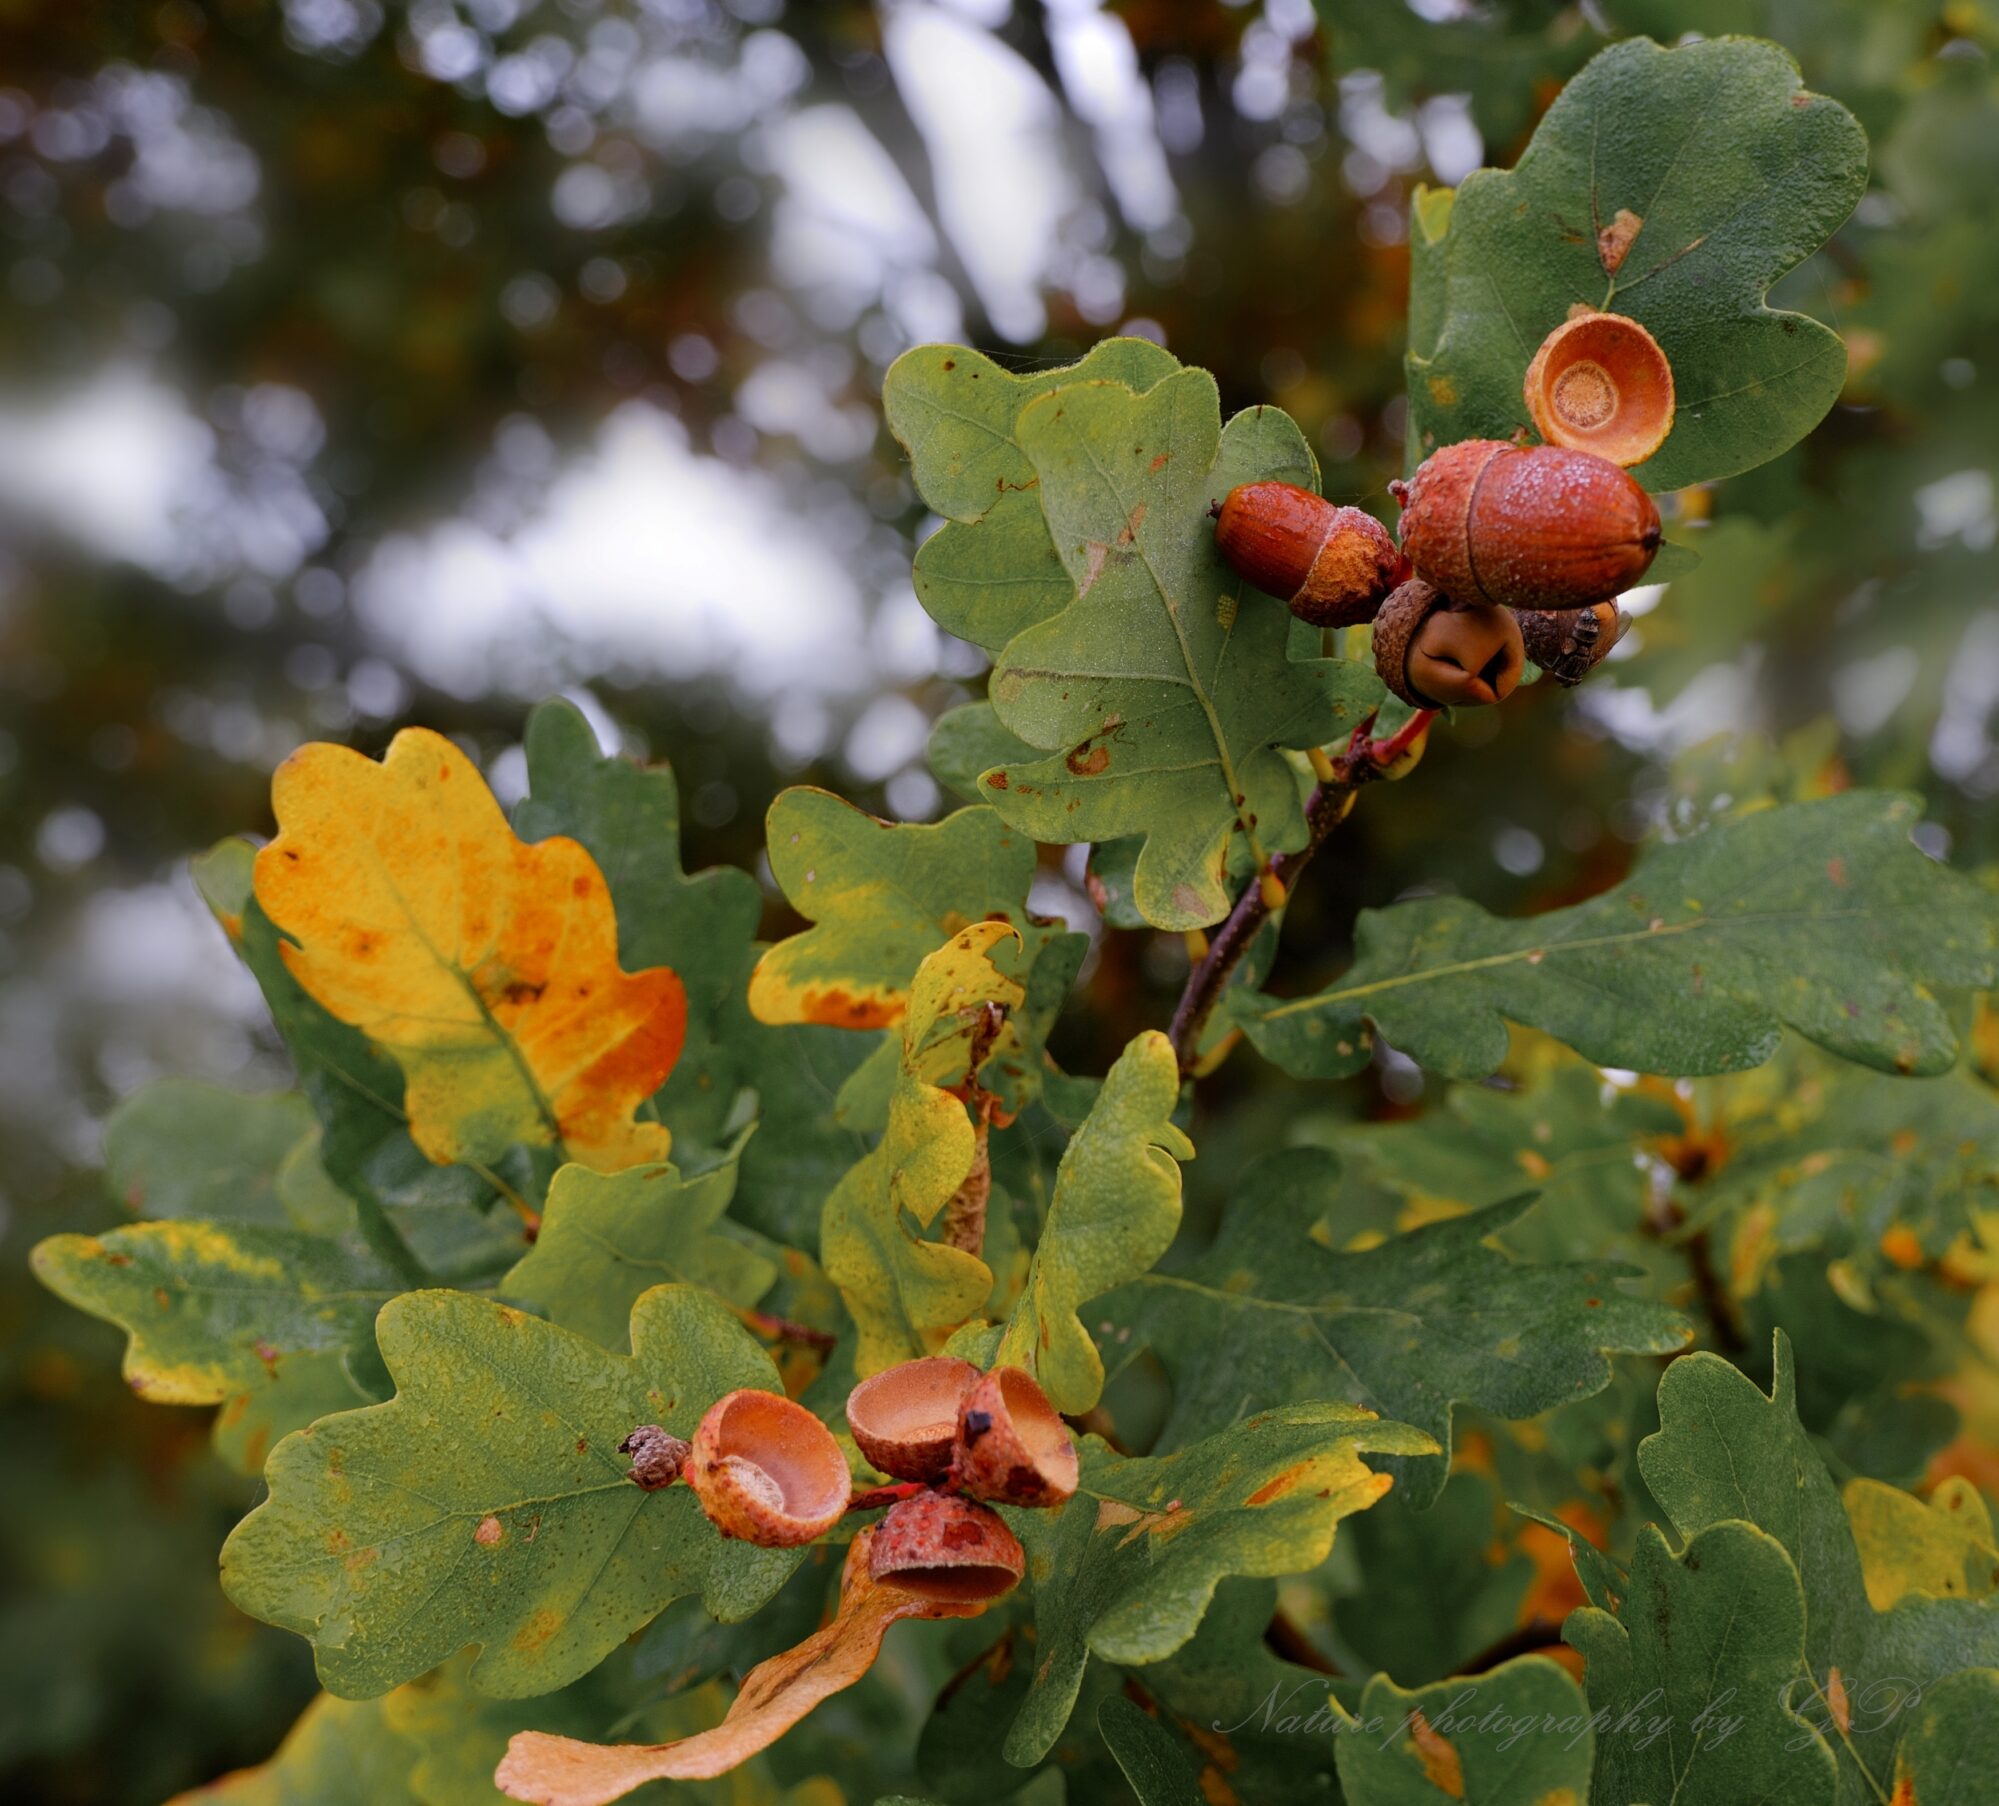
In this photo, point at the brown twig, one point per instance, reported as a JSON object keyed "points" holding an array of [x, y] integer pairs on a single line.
{"points": [[1286, 1638], [1664, 1220], [785, 1329], [1363, 761], [965, 1215], [1536, 1634]]}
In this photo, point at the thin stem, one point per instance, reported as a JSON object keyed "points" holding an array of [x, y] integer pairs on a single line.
{"points": [[1363, 761], [784, 1329], [871, 1498]]}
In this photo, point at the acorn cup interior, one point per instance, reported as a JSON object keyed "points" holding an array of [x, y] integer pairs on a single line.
{"points": [[1600, 383], [1012, 1443], [767, 1470], [906, 1418]]}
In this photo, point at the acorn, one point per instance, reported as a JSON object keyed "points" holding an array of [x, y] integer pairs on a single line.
{"points": [[1601, 384], [942, 1547], [1570, 643], [1330, 565], [1532, 527], [766, 1470], [1435, 653], [657, 1458], [1012, 1443], [906, 1418]]}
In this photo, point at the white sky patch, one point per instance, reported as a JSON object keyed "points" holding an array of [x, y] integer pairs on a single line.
{"points": [[1723, 698], [1098, 64], [641, 552], [126, 468], [993, 131]]}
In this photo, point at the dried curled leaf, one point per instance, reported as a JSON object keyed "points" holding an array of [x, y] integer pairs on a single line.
{"points": [[487, 967], [563, 1771]]}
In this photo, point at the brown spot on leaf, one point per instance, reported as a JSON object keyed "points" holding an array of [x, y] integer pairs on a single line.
{"points": [[489, 1532], [1836, 1700], [996, 780], [1276, 1488], [837, 1008], [1088, 761], [537, 1630], [1613, 242], [1442, 1767]]}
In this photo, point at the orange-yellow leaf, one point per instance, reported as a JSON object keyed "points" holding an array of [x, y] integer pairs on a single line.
{"points": [[486, 966], [563, 1771]]}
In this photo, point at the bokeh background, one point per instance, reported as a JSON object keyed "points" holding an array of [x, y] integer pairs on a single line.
{"points": [[364, 363]]}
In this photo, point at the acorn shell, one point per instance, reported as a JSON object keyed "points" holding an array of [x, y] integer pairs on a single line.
{"points": [[1539, 527], [906, 1418], [1395, 627], [1570, 643], [1465, 655], [768, 1471], [1012, 1443], [1330, 565], [1600, 383], [941, 1547]]}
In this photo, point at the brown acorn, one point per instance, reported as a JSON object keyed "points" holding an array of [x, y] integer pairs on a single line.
{"points": [[657, 1458], [906, 1418], [1435, 653], [1533, 527], [941, 1547], [1330, 565], [1601, 384], [1570, 643], [766, 1470], [1012, 1443]]}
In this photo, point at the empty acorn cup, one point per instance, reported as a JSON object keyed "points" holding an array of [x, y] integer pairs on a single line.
{"points": [[1012, 1443], [943, 1547], [1601, 384], [906, 1418], [767, 1471]]}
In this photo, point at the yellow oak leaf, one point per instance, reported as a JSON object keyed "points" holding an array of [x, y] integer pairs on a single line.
{"points": [[487, 966]]}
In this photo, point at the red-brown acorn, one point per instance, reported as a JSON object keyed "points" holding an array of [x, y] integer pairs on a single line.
{"points": [[1330, 565]]}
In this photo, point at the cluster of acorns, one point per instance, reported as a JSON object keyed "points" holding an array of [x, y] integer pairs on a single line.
{"points": [[768, 1471], [1507, 552]]}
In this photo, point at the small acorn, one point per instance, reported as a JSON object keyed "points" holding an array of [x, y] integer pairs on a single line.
{"points": [[905, 1419], [1330, 565], [766, 1470], [1012, 1443], [1526, 527], [1435, 653], [1601, 384], [942, 1547], [1570, 643], [657, 1457]]}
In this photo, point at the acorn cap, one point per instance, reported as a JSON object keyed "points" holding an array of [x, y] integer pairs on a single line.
{"points": [[1394, 631], [1601, 384], [906, 1418], [942, 1547], [1569, 643], [766, 1470], [1012, 1443]]}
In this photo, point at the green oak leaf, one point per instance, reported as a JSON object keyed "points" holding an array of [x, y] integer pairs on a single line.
{"points": [[607, 1237], [1950, 1752], [953, 410], [1150, 1757], [906, 1292], [487, 1503], [1726, 1450], [181, 1148], [1516, 1734], [1269, 1314], [1126, 1569], [971, 739], [1728, 173], [1819, 916], [1692, 1679], [880, 896], [1943, 1544], [628, 818], [355, 1089], [340, 1752], [217, 1312], [1115, 1210], [1167, 687]]}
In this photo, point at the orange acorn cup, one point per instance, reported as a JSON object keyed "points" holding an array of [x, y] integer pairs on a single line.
{"points": [[1012, 1443], [1330, 565], [942, 1547], [1534, 527], [767, 1471], [1601, 384], [906, 1418]]}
